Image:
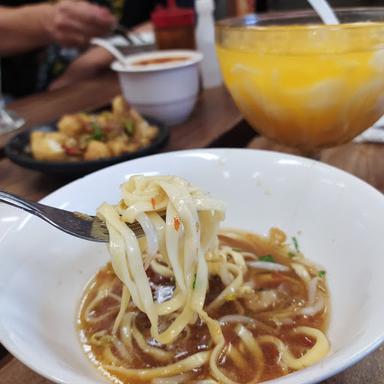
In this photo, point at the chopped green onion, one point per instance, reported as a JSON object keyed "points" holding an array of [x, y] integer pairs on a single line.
{"points": [[322, 273], [268, 258], [98, 133], [296, 244], [129, 127], [292, 255], [194, 282]]}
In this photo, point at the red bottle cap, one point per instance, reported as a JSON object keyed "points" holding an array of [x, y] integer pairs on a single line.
{"points": [[172, 16]]}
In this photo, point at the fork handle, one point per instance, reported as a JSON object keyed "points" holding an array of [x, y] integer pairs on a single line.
{"points": [[18, 202], [40, 210], [74, 223]]}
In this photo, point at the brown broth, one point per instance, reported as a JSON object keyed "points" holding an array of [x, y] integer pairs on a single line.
{"points": [[160, 60], [199, 339]]}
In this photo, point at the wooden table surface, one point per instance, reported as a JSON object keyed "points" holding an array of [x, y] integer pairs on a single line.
{"points": [[215, 122]]}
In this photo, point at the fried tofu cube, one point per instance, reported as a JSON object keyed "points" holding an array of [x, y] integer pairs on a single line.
{"points": [[96, 150], [117, 146], [135, 115], [145, 131], [48, 145], [132, 147], [71, 125], [119, 105]]}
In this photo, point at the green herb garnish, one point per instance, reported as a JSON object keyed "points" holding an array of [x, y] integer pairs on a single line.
{"points": [[322, 273], [268, 258], [129, 127], [97, 133], [292, 255], [295, 244], [194, 282], [237, 249]]}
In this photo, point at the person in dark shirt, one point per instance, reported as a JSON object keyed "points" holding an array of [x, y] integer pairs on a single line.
{"points": [[26, 31], [34, 54]]}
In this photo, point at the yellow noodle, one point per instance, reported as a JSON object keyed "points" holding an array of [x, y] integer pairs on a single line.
{"points": [[191, 362], [123, 307], [161, 269], [126, 329], [236, 357], [313, 355], [229, 290], [156, 353], [253, 347]]}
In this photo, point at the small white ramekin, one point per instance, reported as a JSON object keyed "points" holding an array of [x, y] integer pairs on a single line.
{"points": [[166, 91]]}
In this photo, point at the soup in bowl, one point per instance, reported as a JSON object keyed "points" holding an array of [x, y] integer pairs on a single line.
{"points": [[44, 277]]}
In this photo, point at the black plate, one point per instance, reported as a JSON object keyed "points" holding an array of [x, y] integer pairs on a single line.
{"points": [[16, 150]]}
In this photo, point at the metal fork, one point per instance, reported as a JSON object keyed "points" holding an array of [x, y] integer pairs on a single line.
{"points": [[75, 223], [130, 37]]}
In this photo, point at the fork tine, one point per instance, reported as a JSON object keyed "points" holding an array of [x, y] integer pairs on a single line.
{"points": [[74, 223], [138, 37], [99, 229], [121, 31]]}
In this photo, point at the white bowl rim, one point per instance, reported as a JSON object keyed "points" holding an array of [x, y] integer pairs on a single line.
{"points": [[192, 57], [332, 367], [219, 150]]}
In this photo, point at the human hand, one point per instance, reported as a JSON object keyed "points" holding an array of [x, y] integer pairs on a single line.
{"points": [[89, 65], [74, 23]]}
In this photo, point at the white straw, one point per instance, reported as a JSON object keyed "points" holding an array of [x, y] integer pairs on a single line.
{"points": [[325, 12]]}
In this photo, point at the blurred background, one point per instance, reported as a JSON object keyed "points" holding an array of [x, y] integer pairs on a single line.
{"points": [[38, 69]]}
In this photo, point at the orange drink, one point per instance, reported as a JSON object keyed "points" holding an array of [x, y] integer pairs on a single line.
{"points": [[306, 86]]}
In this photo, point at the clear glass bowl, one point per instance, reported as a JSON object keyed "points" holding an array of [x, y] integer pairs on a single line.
{"points": [[302, 83]]}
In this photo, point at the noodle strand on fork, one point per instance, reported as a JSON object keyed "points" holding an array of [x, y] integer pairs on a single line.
{"points": [[184, 244]]}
